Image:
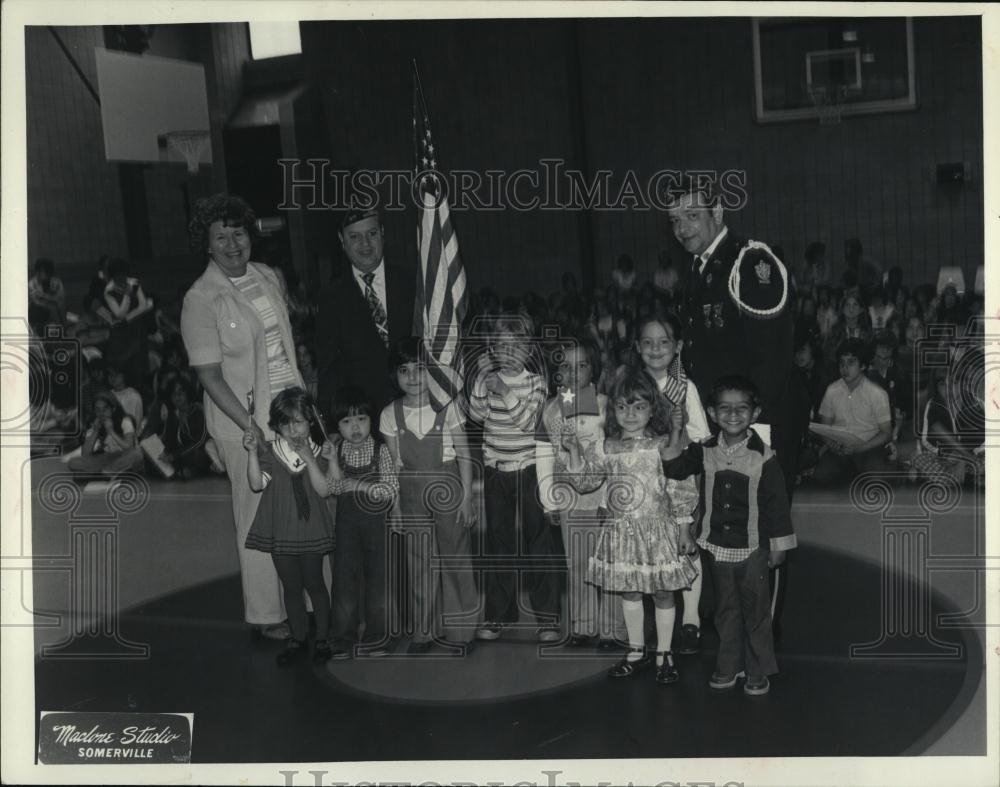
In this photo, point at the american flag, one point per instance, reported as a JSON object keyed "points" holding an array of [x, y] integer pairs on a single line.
{"points": [[441, 293]]}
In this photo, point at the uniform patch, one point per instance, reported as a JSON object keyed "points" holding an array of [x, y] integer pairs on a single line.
{"points": [[763, 271]]}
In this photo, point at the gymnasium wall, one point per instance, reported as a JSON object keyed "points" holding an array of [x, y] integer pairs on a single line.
{"points": [[498, 97], [647, 95], [690, 106], [81, 206], [622, 95], [74, 196]]}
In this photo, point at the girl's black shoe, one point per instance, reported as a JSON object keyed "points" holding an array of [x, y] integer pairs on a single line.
{"points": [[322, 652], [294, 648], [626, 668], [667, 673], [690, 640]]}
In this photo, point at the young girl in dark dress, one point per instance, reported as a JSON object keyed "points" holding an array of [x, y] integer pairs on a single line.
{"points": [[293, 521]]}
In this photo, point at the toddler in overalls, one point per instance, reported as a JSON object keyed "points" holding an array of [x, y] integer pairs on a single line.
{"points": [[365, 484], [435, 509]]}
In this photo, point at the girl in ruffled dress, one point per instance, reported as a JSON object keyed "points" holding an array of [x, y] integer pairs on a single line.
{"points": [[645, 547]]}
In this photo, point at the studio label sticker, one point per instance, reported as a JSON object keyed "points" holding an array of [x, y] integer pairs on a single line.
{"points": [[103, 738]]}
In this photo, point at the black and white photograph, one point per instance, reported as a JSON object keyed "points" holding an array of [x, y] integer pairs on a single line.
{"points": [[499, 393]]}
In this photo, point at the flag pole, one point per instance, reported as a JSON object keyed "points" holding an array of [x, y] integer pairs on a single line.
{"points": [[418, 315], [420, 89], [416, 88]]}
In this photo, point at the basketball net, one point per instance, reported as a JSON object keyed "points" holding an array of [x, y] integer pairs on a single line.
{"points": [[190, 145], [829, 103]]}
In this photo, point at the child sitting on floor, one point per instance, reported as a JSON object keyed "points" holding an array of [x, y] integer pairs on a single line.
{"points": [[109, 444], [860, 407]]}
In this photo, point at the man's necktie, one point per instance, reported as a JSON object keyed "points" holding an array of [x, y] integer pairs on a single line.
{"points": [[377, 309]]}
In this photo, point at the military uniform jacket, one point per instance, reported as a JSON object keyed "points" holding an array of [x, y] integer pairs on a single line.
{"points": [[722, 339]]}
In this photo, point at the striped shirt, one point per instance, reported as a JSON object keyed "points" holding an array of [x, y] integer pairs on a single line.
{"points": [[509, 421], [279, 370]]}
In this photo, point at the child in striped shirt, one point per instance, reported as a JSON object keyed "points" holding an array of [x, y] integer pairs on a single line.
{"points": [[507, 398]]}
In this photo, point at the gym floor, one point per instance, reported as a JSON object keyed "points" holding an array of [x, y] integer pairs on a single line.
{"points": [[920, 691]]}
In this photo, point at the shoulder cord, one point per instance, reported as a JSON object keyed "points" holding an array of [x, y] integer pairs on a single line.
{"points": [[734, 281]]}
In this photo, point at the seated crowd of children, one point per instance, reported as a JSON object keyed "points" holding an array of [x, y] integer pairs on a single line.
{"points": [[901, 335], [137, 404]]}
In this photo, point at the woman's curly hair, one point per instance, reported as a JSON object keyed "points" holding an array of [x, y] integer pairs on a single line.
{"points": [[231, 211]]}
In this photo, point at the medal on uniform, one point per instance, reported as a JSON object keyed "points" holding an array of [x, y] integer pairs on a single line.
{"points": [[708, 279], [707, 309], [763, 271], [717, 309]]}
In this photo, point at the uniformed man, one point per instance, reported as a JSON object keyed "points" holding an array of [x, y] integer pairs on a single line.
{"points": [[737, 318]]}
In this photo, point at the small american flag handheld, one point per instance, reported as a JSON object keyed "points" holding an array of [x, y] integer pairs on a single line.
{"points": [[319, 420], [250, 409]]}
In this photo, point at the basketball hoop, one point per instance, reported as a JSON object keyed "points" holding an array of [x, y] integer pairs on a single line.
{"points": [[189, 144], [829, 102]]}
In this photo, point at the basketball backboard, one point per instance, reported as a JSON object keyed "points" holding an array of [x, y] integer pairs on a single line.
{"points": [[866, 65], [143, 99]]}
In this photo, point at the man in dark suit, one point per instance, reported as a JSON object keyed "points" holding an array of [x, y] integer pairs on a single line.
{"points": [[743, 327], [366, 308]]}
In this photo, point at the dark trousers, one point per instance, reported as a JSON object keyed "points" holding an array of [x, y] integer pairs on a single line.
{"points": [[836, 469], [787, 431], [743, 615], [516, 527], [304, 573], [359, 560]]}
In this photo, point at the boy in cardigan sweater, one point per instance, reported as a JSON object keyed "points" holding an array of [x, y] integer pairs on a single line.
{"points": [[745, 530]]}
